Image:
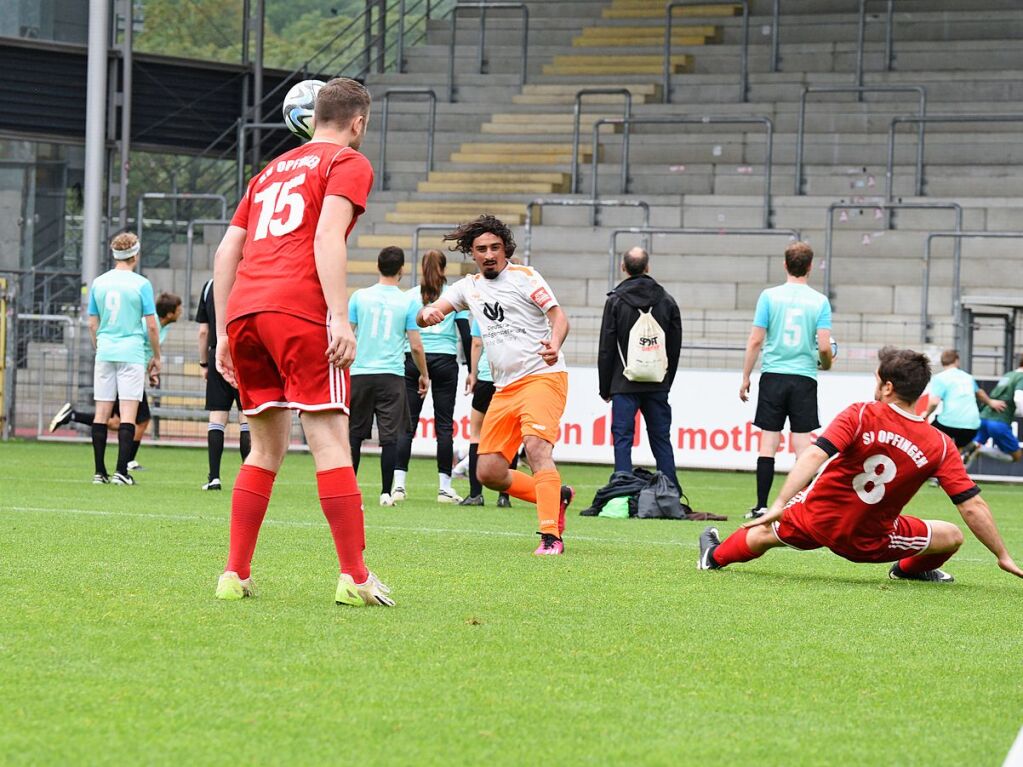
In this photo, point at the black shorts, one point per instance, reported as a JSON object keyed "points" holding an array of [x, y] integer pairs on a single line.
{"points": [[783, 395], [482, 393], [961, 437], [143, 414], [220, 395], [381, 395]]}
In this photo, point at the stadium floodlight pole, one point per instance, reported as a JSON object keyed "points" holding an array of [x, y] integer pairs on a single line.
{"points": [[95, 140]]}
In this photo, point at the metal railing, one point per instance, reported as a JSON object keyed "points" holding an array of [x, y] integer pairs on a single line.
{"points": [[241, 145], [885, 206], [793, 234], [577, 110], [415, 244], [744, 58], [924, 121], [775, 36], [179, 196], [483, 8], [430, 131], [190, 253], [540, 202], [861, 33], [686, 120], [957, 257], [70, 345], [859, 90]]}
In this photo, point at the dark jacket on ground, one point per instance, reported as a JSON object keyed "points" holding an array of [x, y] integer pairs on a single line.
{"points": [[620, 313]]}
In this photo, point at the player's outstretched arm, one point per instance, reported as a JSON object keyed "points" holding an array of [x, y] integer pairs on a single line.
{"points": [[978, 518], [806, 468], [434, 313], [753, 345], [331, 253]]}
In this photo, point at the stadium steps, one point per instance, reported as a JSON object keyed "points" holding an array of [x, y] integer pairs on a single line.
{"points": [[619, 65], [653, 9]]}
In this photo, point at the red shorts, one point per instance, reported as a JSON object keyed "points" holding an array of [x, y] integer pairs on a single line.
{"points": [[909, 536], [280, 361]]}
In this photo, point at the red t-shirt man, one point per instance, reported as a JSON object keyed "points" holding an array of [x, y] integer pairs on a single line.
{"points": [[865, 468], [283, 336]]}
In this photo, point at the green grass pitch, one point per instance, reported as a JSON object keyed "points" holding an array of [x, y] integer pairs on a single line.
{"points": [[113, 650]]}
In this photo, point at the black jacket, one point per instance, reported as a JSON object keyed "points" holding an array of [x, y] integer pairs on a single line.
{"points": [[620, 313]]}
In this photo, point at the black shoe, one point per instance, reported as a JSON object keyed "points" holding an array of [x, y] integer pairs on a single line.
{"points": [[472, 500], [756, 512], [101, 479], [969, 454], [709, 541], [122, 479], [503, 501], [62, 417], [896, 573]]}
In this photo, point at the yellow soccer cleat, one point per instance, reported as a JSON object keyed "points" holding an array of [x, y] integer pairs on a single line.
{"points": [[231, 587], [372, 593]]}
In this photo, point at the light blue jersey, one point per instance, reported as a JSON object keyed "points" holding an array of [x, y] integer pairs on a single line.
{"points": [[382, 315], [163, 331], [121, 298], [483, 368], [958, 394], [792, 314], [441, 338]]}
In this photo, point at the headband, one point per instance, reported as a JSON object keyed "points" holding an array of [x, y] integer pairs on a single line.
{"points": [[124, 255]]}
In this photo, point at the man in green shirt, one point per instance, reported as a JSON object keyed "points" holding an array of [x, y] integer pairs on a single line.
{"points": [[996, 425]]}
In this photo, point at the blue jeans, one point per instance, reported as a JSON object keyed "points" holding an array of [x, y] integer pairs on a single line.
{"points": [[657, 415]]}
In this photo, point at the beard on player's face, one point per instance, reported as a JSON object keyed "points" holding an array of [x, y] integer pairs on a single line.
{"points": [[491, 261]]}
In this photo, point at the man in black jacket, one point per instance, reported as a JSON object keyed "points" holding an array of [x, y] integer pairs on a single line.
{"points": [[638, 291]]}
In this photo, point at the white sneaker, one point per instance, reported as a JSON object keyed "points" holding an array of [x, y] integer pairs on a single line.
{"points": [[756, 512], [386, 499], [135, 466], [231, 587], [398, 494], [461, 470], [213, 484], [448, 496], [372, 593]]}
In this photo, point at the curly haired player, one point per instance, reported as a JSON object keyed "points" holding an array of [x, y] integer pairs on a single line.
{"points": [[523, 328]]}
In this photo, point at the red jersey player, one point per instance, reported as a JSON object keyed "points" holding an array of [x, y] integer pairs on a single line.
{"points": [[875, 456], [283, 336]]}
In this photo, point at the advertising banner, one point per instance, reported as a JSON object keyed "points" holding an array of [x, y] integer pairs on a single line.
{"points": [[711, 427]]}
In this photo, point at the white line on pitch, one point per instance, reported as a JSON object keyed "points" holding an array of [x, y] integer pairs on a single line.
{"points": [[301, 523]]}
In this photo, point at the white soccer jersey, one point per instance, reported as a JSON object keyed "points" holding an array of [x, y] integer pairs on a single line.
{"points": [[511, 311]]}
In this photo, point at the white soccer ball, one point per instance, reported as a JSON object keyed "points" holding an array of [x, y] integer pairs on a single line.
{"points": [[299, 107]]}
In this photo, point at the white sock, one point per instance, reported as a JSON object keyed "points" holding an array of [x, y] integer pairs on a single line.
{"points": [[445, 481], [399, 478], [995, 454]]}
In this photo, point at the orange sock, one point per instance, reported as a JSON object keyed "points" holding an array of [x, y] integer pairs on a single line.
{"points": [[522, 487], [548, 500]]}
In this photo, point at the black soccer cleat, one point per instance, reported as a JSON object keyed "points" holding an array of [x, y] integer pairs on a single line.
{"points": [[896, 573], [503, 501], [709, 540], [756, 512], [472, 500], [62, 416]]}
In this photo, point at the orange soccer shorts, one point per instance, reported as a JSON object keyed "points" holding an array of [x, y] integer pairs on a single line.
{"points": [[531, 406]]}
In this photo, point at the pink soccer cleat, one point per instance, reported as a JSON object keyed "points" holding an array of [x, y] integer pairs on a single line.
{"points": [[549, 545]]}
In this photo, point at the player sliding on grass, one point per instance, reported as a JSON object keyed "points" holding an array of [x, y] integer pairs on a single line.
{"points": [[875, 456], [522, 328], [283, 335]]}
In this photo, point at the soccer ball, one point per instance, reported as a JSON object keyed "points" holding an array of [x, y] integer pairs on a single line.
{"points": [[834, 351], [299, 106]]}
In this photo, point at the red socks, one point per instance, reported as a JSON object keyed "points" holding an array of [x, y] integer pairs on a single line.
{"points": [[341, 502], [248, 507], [924, 562], [733, 549]]}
